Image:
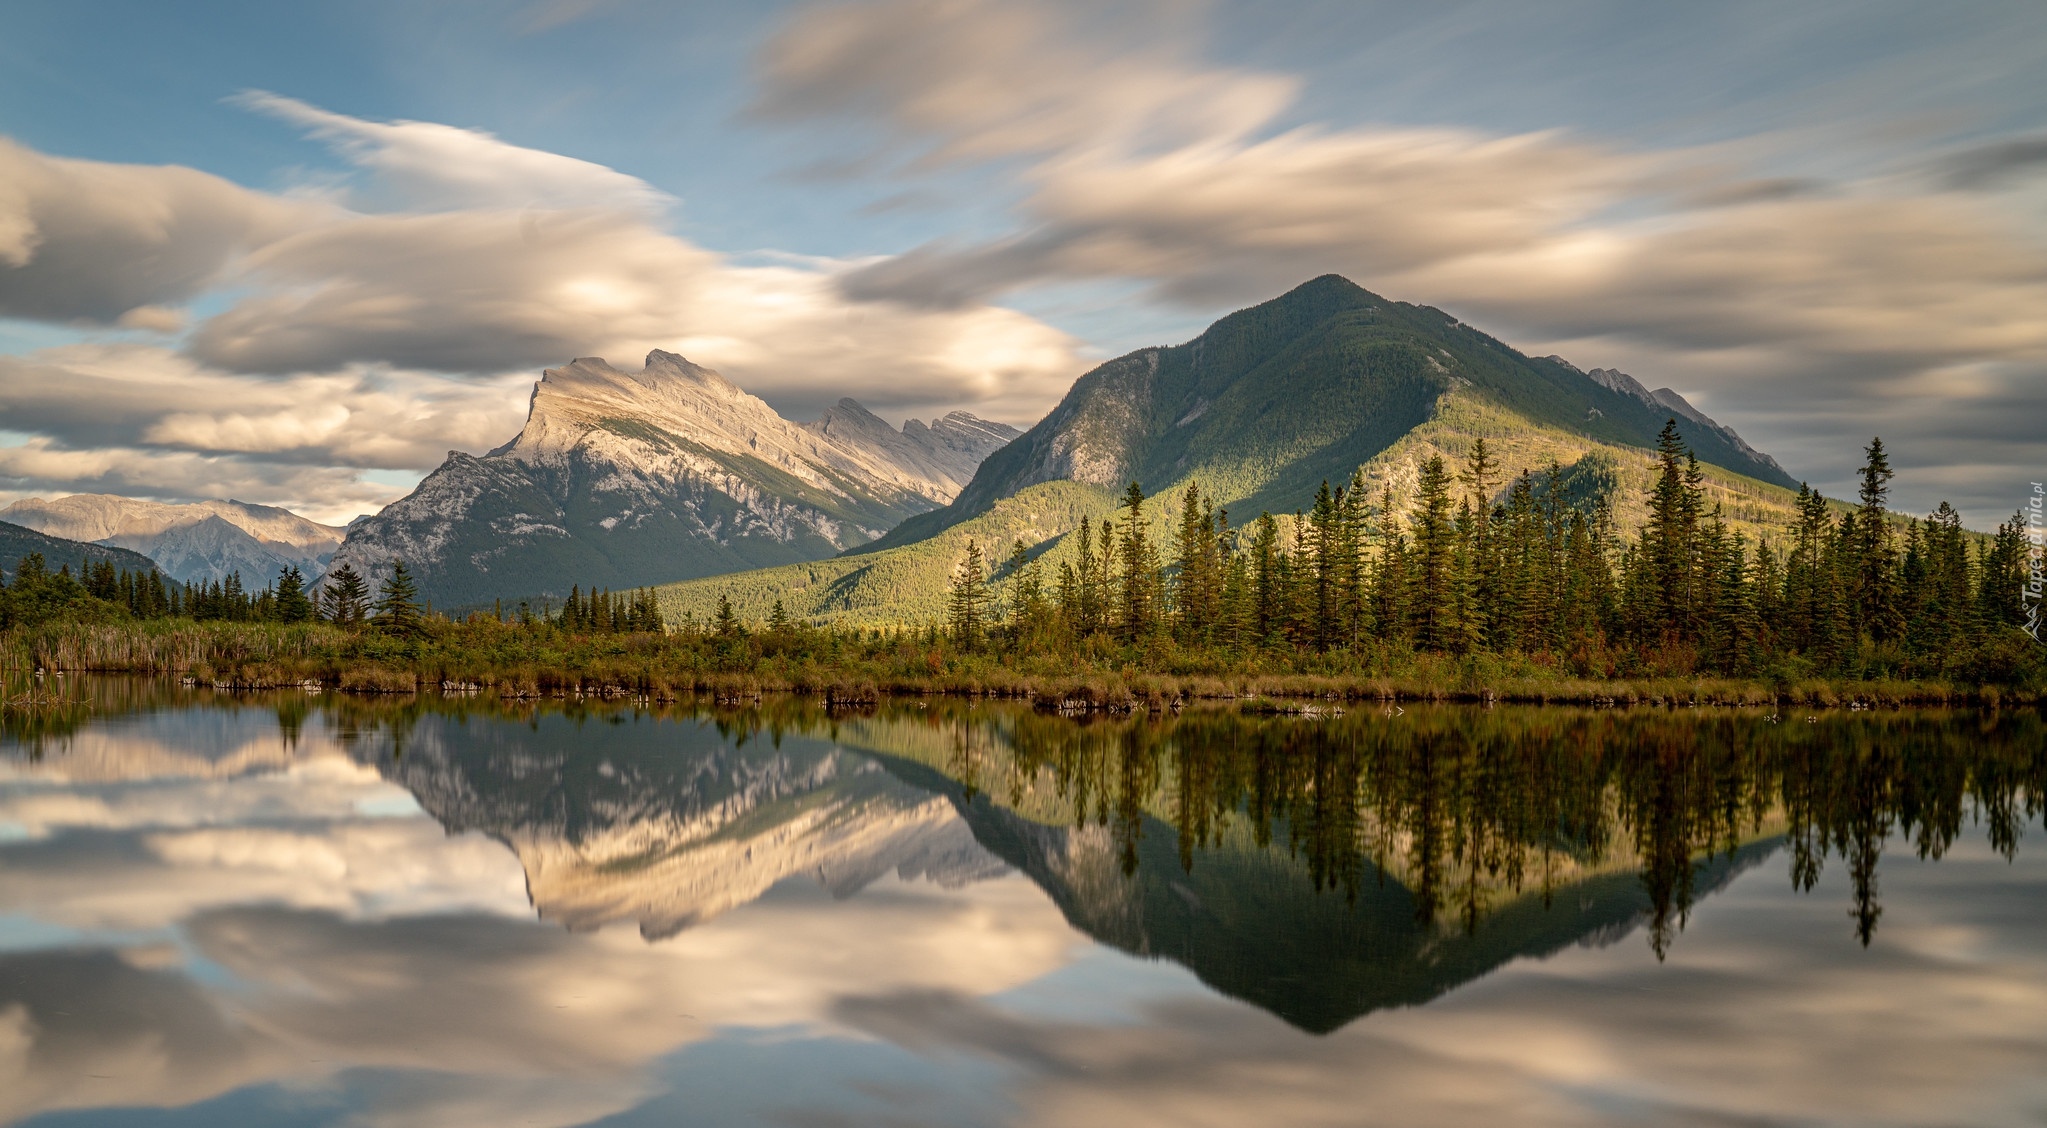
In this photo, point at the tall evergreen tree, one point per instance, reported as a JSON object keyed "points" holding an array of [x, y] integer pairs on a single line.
{"points": [[1435, 596], [1875, 565], [1139, 590], [292, 603], [397, 607], [344, 597], [966, 608]]}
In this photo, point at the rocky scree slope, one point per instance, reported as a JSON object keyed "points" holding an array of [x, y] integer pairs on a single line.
{"points": [[621, 479]]}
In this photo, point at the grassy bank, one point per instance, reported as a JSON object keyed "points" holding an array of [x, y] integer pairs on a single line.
{"points": [[515, 660]]}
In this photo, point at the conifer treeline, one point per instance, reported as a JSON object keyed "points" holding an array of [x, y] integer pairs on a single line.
{"points": [[104, 592], [1464, 568], [603, 612]]}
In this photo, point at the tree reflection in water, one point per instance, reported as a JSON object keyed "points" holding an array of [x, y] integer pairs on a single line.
{"points": [[1320, 867]]}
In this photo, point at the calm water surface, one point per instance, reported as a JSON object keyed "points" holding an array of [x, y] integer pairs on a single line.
{"points": [[314, 910]]}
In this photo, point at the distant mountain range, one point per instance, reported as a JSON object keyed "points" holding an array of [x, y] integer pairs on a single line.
{"points": [[1260, 409], [193, 543], [621, 479]]}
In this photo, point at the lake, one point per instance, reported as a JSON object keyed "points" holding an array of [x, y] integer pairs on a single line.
{"points": [[322, 910]]}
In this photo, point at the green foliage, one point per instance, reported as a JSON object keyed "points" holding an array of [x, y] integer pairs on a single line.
{"points": [[397, 610], [344, 597], [38, 595]]}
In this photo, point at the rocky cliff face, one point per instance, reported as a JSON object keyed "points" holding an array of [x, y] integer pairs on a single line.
{"points": [[193, 543], [620, 479]]}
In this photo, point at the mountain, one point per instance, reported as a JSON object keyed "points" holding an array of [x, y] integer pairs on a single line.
{"points": [[622, 479], [667, 825], [17, 541], [1272, 400], [195, 542], [1260, 409], [1665, 399]]}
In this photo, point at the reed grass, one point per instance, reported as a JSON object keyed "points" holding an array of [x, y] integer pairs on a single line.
{"points": [[516, 661]]}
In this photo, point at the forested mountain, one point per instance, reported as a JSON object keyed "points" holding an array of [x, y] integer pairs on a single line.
{"points": [[197, 542], [1274, 399], [17, 541], [621, 479], [1323, 384]]}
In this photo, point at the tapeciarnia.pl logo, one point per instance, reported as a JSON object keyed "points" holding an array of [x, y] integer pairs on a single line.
{"points": [[2036, 556]]}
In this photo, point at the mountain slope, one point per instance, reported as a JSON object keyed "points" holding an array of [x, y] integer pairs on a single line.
{"points": [[621, 479], [195, 542], [1271, 400], [17, 541], [1320, 383]]}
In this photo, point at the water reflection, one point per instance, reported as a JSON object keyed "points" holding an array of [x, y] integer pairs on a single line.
{"points": [[320, 909]]}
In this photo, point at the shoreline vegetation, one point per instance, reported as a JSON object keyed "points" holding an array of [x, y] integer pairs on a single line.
{"points": [[1531, 598]]}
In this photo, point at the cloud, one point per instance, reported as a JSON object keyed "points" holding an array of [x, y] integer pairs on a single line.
{"points": [[491, 291], [377, 340], [1992, 163], [94, 396], [973, 80], [330, 493], [393, 961], [1760, 1016], [422, 165], [142, 420], [1857, 292], [89, 241]]}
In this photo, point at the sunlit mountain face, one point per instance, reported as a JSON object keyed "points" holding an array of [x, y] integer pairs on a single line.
{"points": [[312, 909]]}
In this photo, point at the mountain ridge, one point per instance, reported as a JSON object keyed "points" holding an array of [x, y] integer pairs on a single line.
{"points": [[192, 542], [1274, 398], [17, 541], [621, 479]]}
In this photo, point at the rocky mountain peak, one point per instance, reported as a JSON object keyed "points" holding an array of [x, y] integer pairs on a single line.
{"points": [[623, 478]]}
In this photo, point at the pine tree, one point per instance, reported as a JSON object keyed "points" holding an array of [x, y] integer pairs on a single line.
{"points": [[293, 606], [1138, 606], [1323, 567], [1198, 559], [1078, 584], [397, 607], [1389, 594], [1875, 587], [1268, 599], [726, 625], [965, 608], [1435, 596], [1669, 542], [2001, 589], [344, 597]]}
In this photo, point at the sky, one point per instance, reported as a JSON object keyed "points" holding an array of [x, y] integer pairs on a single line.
{"points": [[294, 254]]}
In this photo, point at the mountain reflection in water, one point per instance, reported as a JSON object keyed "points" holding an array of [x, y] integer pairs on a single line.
{"points": [[1320, 868]]}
